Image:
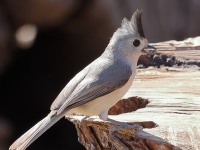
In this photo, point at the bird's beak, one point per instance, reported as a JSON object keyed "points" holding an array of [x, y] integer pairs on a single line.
{"points": [[149, 49]]}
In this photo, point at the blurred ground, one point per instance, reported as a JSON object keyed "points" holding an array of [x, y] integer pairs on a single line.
{"points": [[45, 43]]}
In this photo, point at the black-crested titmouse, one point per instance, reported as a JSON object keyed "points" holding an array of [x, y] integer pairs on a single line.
{"points": [[100, 84]]}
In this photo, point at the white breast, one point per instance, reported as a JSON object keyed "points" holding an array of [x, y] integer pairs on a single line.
{"points": [[100, 104]]}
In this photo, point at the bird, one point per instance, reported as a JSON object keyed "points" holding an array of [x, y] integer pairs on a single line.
{"points": [[101, 84]]}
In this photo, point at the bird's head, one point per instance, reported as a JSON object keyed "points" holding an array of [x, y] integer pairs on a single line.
{"points": [[129, 39]]}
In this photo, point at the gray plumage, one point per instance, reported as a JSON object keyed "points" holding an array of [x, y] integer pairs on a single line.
{"points": [[99, 85], [94, 83]]}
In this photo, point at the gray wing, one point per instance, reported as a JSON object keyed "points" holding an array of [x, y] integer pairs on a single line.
{"points": [[68, 89], [97, 83]]}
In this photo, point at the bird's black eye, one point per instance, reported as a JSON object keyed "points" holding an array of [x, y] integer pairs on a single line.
{"points": [[136, 42]]}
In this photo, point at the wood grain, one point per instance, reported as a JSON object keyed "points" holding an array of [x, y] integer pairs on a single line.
{"points": [[174, 96]]}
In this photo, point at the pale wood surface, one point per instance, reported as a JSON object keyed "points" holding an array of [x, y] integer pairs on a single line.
{"points": [[174, 106], [187, 49]]}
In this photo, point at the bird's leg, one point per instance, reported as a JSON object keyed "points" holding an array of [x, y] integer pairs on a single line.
{"points": [[104, 116]]}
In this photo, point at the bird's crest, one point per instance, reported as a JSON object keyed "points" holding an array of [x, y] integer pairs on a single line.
{"points": [[134, 25]]}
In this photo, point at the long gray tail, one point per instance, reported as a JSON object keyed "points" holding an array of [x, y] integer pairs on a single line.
{"points": [[37, 130]]}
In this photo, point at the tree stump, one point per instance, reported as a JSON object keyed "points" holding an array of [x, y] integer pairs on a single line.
{"points": [[161, 109]]}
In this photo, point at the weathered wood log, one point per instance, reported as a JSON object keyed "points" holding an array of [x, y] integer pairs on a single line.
{"points": [[167, 109]]}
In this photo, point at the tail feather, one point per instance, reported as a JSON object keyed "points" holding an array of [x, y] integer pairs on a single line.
{"points": [[32, 134]]}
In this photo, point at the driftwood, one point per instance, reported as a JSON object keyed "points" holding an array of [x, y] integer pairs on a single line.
{"points": [[163, 108]]}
